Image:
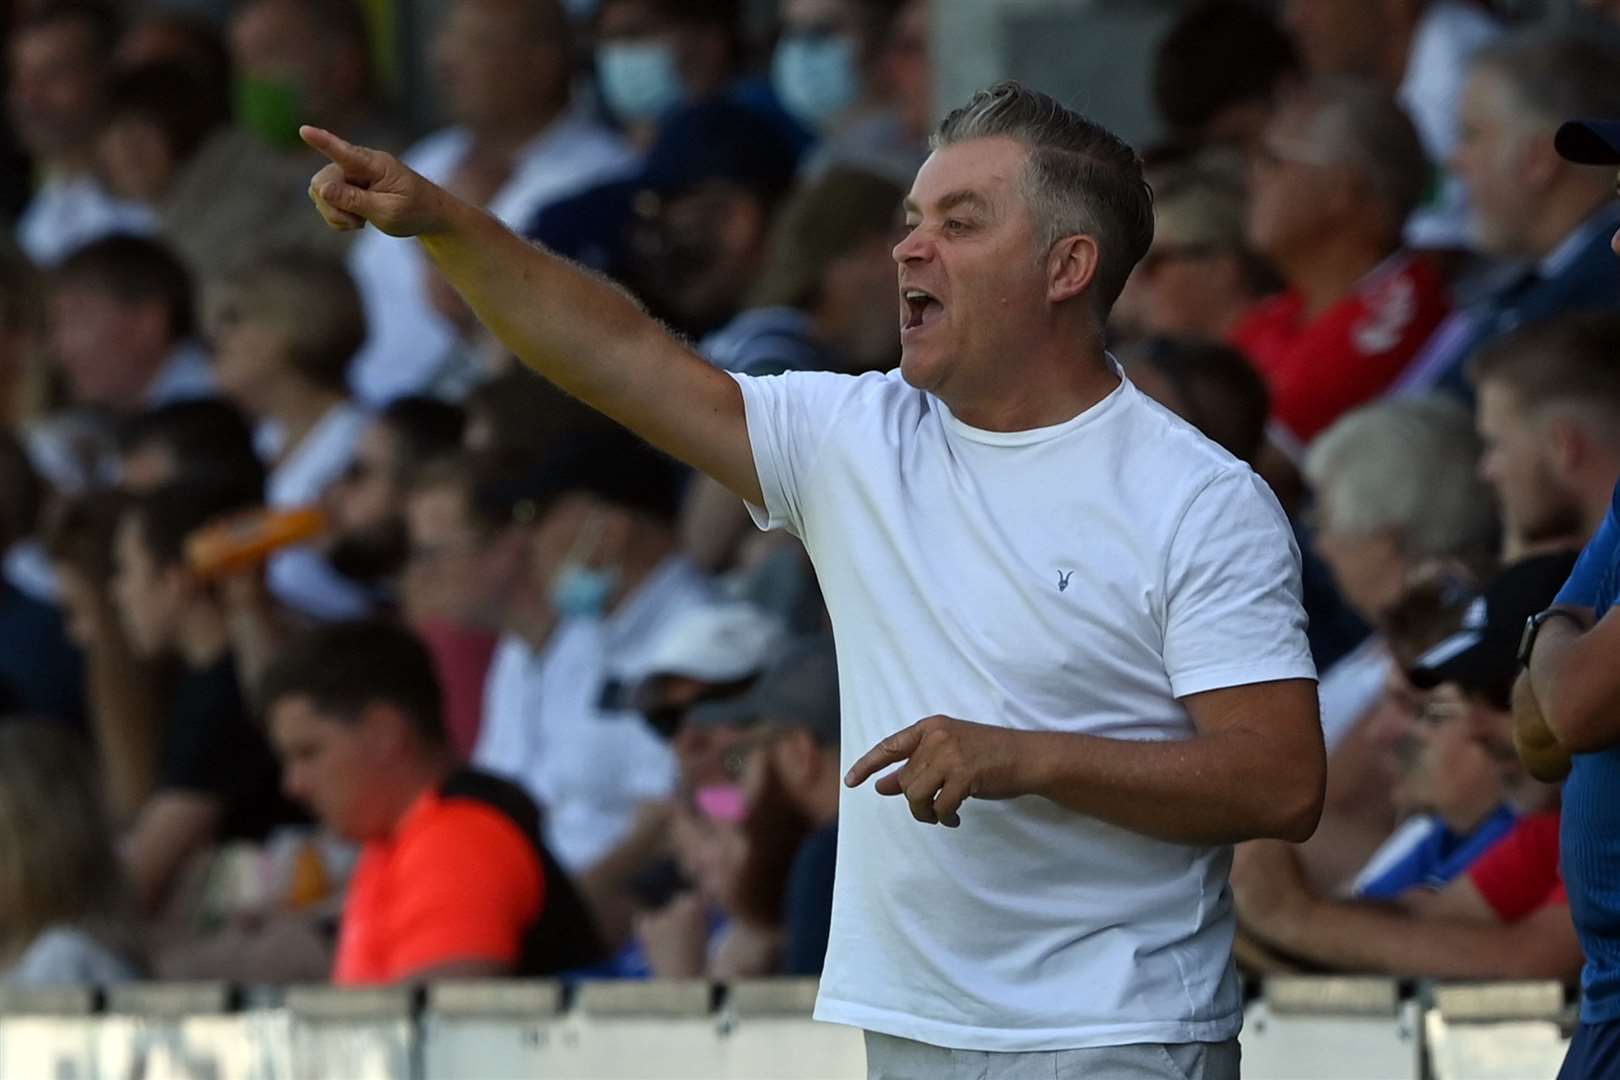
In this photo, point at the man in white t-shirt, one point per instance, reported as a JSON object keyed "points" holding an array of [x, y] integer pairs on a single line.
{"points": [[1050, 597]]}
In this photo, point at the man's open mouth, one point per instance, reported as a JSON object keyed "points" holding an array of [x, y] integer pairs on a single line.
{"points": [[920, 308]]}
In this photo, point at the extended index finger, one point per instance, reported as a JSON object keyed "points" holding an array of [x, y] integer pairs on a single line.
{"points": [[357, 162], [897, 747]]}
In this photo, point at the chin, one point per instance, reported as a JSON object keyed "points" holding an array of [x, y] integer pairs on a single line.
{"points": [[920, 370]]}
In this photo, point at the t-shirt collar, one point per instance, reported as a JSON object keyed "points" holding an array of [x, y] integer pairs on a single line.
{"points": [[1093, 414]]}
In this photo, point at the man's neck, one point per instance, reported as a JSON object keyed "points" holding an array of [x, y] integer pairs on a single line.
{"points": [[1330, 270], [411, 781], [203, 640], [1057, 384], [1562, 214]]}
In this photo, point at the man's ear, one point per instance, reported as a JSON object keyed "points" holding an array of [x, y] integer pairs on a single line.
{"points": [[1566, 445], [1071, 267]]}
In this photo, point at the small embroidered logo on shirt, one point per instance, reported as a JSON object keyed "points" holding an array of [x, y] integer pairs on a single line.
{"points": [[1063, 579]]}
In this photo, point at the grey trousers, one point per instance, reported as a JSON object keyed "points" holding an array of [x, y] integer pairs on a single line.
{"points": [[892, 1058]]}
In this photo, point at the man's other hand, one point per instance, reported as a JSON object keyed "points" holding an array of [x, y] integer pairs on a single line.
{"points": [[362, 185], [1538, 749], [946, 761]]}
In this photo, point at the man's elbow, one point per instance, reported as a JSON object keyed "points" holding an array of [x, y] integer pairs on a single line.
{"points": [[1294, 805]]}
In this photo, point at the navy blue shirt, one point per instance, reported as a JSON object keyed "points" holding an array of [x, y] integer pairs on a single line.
{"points": [[809, 902], [1589, 840], [41, 672]]}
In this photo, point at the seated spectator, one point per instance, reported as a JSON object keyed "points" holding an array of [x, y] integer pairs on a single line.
{"points": [[1548, 412], [518, 418], [41, 671], [1219, 72], [307, 61], [123, 327], [217, 779], [653, 56], [218, 194], [122, 692], [1550, 218], [1506, 914], [65, 915], [454, 879], [1396, 487], [285, 328], [58, 59], [515, 145], [200, 439], [190, 39], [369, 541], [1419, 50], [1199, 278], [1338, 171]]}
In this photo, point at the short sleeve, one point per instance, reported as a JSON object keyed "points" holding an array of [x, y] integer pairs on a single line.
{"points": [[1233, 614], [1520, 871], [789, 417], [471, 885], [1597, 562]]}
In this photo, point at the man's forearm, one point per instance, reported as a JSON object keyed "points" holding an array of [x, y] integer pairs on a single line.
{"points": [[1221, 788], [1575, 678]]}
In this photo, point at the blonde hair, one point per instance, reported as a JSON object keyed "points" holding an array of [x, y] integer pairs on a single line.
{"points": [[57, 862]]}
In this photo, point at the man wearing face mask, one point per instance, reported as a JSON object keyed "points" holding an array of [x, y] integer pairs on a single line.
{"points": [[654, 55], [604, 543]]}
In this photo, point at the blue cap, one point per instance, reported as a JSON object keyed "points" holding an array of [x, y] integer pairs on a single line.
{"points": [[719, 140], [1589, 142]]}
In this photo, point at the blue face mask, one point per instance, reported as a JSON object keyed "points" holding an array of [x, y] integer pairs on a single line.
{"points": [[640, 81], [816, 76], [578, 591]]}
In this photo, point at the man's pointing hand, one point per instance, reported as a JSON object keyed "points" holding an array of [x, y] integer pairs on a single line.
{"points": [[362, 185]]}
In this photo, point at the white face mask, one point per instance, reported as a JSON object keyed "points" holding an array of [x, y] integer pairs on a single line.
{"points": [[816, 76], [640, 80]]}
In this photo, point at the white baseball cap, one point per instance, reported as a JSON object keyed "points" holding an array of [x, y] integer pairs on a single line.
{"points": [[717, 643]]}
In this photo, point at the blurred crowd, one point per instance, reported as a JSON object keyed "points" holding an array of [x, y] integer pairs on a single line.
{"points": [[334, 644]]}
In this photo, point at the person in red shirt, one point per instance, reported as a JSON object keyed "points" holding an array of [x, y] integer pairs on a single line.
{"points": [[1338, 171], [453, 878]]}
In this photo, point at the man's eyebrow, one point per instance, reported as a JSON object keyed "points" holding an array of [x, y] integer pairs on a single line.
{"points": [[970, 199]]}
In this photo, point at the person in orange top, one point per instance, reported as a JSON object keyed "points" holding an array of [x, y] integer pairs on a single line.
{"points": [[453, 878], [1338, 172]]}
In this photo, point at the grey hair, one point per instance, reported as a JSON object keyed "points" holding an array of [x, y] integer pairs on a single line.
{"points": [[1363, 127], [1555, 75], [1079, 178], [1410, 465]]}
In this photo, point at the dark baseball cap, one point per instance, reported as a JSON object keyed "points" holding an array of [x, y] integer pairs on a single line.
{"points": [[612, 465], [799, 690], [718, 140], [1589, 142], [1482, 656]]}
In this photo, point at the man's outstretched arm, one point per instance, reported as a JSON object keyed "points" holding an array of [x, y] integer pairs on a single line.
{"points": [[578, 330]]}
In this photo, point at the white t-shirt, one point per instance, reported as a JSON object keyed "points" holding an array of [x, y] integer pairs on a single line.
{"points": [[1075, 578], [547, 724]]}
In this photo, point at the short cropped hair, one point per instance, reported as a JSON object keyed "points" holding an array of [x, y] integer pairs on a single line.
{"points": [[426, 428], [209, 438], [345, 667], [1364, 128], [134, 270], [1219, 54], [1554, 75], [1568, 359], [168, 516], [1410, 465], [311, 299], [171, 98], [1079, 177]]}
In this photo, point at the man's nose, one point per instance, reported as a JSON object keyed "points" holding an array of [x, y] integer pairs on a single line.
{"points": [[913, 248]]}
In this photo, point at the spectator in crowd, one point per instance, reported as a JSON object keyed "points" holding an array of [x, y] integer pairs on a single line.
{"points": [[690, 229], [504, 75], [1507, 915], [1550, 217], [206, 439], [517, 418], [306, 61], [190, 40], [220, 196], [59, 59], [122, 327], [217, 778], [653, 56], [1564, 725], [1338, 171], [1419, 50], [1219, 72], [454, 879], [41, 672], [285, 329], [604, 552], [1200, 277], [65, 913], [1397, 486], [1548, 412], [369, 540], [123, 693]]}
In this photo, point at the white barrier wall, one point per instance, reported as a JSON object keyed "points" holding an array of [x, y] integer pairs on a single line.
{"points": [[1297, 1027]]}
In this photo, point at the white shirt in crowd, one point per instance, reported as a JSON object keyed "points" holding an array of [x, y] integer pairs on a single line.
{"points": [[552, 721], [1447, 36], [300, 577], [1352, 687], [408, 338], [68, 212], [1077, 578]]}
